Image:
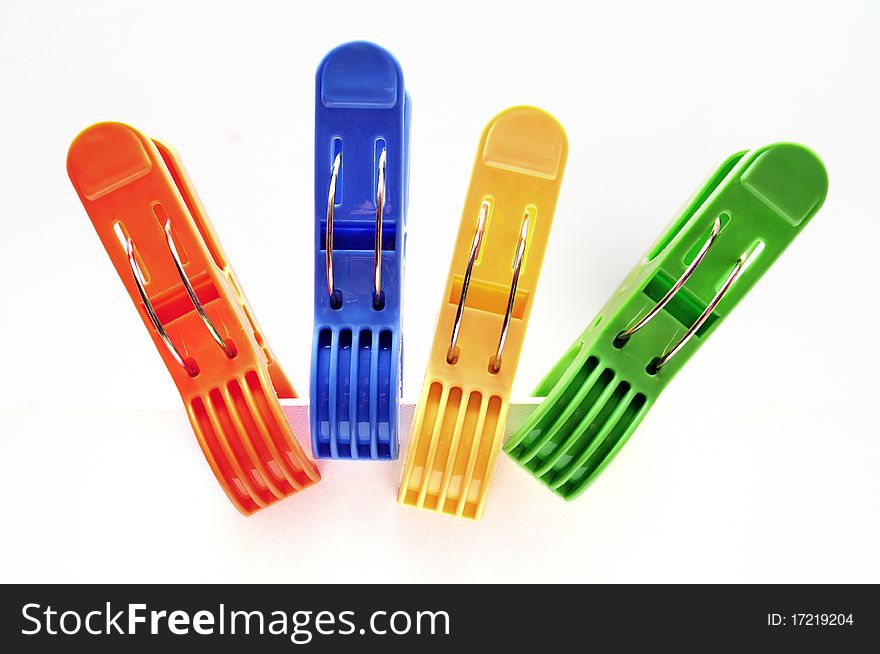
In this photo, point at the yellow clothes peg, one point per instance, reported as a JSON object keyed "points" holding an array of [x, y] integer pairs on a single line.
{"points": [[459, 422]]}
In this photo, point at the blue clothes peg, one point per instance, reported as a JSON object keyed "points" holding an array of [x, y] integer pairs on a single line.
{"points": [[362, 116]]}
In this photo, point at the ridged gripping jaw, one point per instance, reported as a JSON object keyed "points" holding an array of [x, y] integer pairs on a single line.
{"points": [[362, 116], [459, 422], [159, 238], [725, 239]]}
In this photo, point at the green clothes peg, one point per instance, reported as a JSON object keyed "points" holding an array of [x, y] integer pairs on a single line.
{"points": [[727, 237]]}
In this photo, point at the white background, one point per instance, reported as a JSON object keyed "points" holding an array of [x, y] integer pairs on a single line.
{"points": [[759, 463]]}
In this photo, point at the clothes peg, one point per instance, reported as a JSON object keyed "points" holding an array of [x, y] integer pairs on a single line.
{"points": [[362, 116], [159, 238], [671, 302], [460, 419]]}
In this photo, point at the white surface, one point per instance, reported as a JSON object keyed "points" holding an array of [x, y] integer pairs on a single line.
{"points": [[759, 463]]}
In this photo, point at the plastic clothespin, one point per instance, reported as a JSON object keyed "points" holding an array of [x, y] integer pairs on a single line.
{"points": [[164, 248], [362, 116], [460, 419], [727, 237]]}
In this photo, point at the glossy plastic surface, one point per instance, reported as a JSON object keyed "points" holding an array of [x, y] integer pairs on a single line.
{"points": [[600, 390], [459, 423], [361, 107], [130, 186]]}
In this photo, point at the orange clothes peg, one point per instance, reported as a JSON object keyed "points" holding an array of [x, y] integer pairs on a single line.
{"points": [[459, 422], [166, 252]]}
